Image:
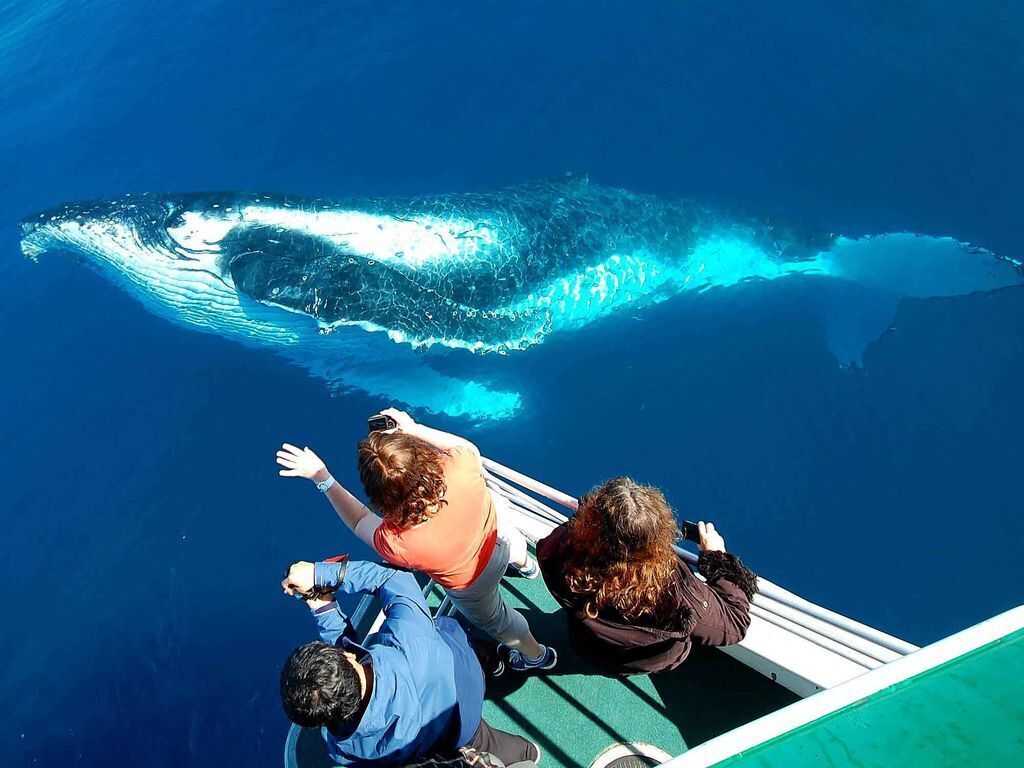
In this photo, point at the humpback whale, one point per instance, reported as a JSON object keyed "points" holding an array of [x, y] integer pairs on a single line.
{"points": [[345, 287]]}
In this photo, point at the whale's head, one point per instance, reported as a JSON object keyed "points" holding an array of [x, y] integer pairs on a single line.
{"points": [[330, 265], [257, 269], [162, 249], [135, 235]]}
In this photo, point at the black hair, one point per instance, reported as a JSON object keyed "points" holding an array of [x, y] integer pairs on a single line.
{"points": [[319, 686]]}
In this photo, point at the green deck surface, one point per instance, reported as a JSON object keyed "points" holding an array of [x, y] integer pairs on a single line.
{"points": [[967, 712], [574, 713]]}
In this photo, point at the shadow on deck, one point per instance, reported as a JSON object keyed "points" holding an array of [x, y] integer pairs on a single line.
{"points": [[574, 713]]}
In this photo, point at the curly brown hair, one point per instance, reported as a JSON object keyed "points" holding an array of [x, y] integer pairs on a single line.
{"points": [[403, 477], [620, 549]]}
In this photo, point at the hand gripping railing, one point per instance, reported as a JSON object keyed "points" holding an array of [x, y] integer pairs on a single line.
{"points": [[782, 618]]}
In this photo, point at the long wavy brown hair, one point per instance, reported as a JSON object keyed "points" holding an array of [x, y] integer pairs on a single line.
{"points": [[403, 477], [620, 549]]}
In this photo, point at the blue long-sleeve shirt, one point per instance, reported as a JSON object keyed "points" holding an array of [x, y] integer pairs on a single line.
{"points": [[428, 687]]}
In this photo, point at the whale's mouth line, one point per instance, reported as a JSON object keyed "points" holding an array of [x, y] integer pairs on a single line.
{"points": [[220, 278]]}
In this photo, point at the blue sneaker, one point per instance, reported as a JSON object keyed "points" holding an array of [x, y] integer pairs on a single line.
{"points": [[529, 571], [519, 662]]}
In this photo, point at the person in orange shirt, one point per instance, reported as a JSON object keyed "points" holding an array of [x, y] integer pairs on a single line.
{"points": [[437, 516]]}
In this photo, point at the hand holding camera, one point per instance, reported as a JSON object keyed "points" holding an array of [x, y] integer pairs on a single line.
{"points": [[390, 419], [299, 580], [704, 536]]}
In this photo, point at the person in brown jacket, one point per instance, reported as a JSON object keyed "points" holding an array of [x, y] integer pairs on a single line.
{"points": [[634, 606]]}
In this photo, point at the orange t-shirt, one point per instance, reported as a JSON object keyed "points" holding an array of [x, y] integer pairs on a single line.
{"points": [[455, 544]]}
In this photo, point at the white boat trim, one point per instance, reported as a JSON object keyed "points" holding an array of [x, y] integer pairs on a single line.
{"points": [[810, 709]]}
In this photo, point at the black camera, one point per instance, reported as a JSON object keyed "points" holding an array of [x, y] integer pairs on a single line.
{"points": [[690, 531], [380, 423]]}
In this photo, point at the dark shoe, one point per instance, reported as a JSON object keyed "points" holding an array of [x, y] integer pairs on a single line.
{"points": [[489, 656], [519, 662]]}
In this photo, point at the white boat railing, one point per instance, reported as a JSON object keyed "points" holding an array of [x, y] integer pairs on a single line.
{"points": [[799, 644]]}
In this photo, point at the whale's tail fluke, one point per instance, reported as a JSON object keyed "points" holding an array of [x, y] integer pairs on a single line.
{"points": [[871, 275], [854, 318], [919, 267]]}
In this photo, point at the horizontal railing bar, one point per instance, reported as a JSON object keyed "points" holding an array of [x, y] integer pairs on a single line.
{"points": [[520, 494], [831, 631], [797, 603], [537, 508], [780, 595], [834, 632], [530, 484], [813, 637]]}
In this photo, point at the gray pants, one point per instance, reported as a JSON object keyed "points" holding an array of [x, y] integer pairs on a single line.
{"points": [[481, 602], [510, 749]]}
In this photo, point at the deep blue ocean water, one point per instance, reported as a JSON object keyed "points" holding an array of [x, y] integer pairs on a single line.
{"points": [[144, 527]]}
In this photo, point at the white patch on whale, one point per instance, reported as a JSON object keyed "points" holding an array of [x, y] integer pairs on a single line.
{"points": [[199, 232], [412, 243]]}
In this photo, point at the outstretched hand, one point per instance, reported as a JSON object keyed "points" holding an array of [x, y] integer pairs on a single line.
{"points": [[300, 462]]}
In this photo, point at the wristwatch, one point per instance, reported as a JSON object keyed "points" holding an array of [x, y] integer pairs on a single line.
{"points": [[325, 485]]}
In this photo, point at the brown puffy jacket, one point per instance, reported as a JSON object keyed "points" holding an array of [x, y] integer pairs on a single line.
{"points": [[715, 612]]}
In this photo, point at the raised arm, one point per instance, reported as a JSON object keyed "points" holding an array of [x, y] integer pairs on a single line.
{"points": [[443, 440], [724, 613], [399, 593], [302, 462], [332, 623]]}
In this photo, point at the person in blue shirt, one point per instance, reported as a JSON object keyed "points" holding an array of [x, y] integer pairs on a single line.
{"points": [[414, 690]]}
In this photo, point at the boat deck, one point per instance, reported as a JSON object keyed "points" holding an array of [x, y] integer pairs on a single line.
{"points": [[574, 713], [967, 711]]}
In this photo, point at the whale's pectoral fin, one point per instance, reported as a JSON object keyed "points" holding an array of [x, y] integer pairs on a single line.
{"points": [[399, 375], [855, 317]]}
